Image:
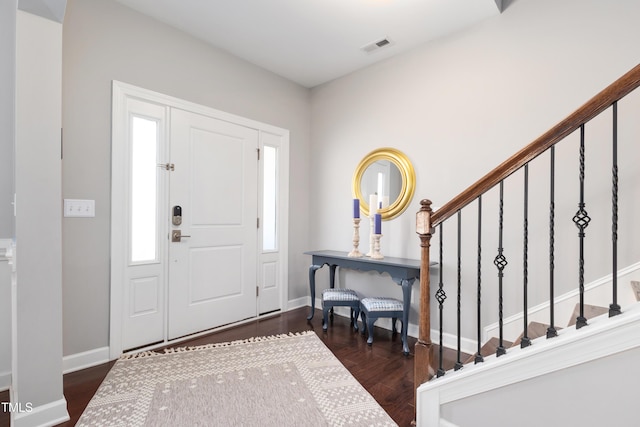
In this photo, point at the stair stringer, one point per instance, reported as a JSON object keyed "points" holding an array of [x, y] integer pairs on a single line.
{"points": [[603, 337]]}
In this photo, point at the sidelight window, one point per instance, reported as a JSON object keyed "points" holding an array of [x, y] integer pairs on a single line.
{"points": [[270, 198], [144, 189]]}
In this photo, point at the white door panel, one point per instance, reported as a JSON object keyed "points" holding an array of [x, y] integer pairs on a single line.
{"points": [[212, 273], [144, 305], [214, 265]]}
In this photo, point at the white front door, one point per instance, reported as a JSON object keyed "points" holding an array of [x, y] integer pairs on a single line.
{"points": [[212, 267], [166, 153]]}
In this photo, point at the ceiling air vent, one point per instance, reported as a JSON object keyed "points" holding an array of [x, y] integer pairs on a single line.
{"points": [[377, 45]]}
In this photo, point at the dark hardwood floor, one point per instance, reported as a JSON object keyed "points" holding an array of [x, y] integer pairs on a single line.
{"points": [[382, 368]]}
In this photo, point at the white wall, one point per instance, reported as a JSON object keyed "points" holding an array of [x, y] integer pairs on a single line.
{"points": [[37, 333], [105, 41], [458, 107]]}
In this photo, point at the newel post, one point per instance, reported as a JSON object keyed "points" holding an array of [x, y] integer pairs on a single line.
{"points": [[422, 365]]}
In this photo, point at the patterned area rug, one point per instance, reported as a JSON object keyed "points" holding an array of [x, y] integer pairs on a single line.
{"points": [[287, 380]]}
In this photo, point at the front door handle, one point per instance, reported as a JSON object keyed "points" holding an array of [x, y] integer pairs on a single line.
{"points": [[176, 236]]}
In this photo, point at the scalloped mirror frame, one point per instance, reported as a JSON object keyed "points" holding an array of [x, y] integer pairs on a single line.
{"points": [[405, 167]]}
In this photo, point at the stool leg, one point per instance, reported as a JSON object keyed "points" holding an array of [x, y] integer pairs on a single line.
{"points": [[370, 322], [363, 316], [393, 325], [355, 318], [325, 312]]}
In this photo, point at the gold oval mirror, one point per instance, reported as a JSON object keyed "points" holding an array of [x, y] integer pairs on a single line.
{"points": [[385, 176]]}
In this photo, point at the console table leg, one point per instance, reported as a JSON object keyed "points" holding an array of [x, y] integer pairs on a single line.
{"points": [[332, 275], [332, 281], [312, 288]]}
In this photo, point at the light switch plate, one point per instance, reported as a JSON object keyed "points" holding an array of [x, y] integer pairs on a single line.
{"points": [[79, 208]]}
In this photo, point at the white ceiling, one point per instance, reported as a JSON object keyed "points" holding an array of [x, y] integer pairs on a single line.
{"points": [[314, 41]]}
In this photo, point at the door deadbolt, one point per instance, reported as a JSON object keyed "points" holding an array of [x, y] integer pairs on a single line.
{"points": [[176, 235], [176, 218]]}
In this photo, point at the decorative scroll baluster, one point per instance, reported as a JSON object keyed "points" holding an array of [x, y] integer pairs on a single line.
{"points": [[525, 342], [581, 219], [500, 262], [614, 308], [551, 330], [458, 364], [479, 358], [440, 297]]}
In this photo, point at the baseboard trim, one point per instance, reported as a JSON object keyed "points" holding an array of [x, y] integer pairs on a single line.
{"points": [[299, 302], [41, 416], [86, 359], [467, 345]]}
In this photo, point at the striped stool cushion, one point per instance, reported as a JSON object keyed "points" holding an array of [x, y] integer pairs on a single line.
{"points": [[339, 295], [373, 304]]}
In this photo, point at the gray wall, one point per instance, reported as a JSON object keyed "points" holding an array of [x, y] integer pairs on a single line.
{"points": [[458, 107], [7, 116], [105, 41], [484, 92]]}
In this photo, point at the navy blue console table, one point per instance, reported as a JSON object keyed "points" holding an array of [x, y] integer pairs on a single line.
{"points": [[403, 272]]}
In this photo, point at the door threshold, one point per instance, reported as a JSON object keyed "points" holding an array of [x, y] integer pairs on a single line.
{"points": [[162, 344]]}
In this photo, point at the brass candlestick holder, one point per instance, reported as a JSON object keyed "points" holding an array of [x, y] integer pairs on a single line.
{"points": [[355, 253]]}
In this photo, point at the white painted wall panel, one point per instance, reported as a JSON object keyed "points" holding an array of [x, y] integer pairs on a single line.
{"points": [[37, 368]]}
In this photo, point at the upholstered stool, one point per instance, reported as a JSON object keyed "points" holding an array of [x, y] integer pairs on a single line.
{"points": [[371, 309], [340, 297]]}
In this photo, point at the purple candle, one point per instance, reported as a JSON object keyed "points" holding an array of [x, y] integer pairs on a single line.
{"points": [[356, 208], [377, 224]]}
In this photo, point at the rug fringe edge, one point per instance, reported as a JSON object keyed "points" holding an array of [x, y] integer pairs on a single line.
{"points": [[151, 353]]}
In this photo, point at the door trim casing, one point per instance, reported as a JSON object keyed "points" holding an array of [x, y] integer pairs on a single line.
{"points": [[120, 93]]}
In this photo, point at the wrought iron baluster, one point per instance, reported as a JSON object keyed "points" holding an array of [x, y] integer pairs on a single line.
{"points": [[551, 330], [525, 342], [479, 358], [581, 219], [440, 297], [458, 364], [614, 308], [500, 262]]}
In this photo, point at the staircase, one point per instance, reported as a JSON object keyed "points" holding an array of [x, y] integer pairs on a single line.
{"points": [[534, 371]]}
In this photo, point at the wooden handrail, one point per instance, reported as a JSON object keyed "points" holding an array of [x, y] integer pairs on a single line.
{"points": [[614, 92]]}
